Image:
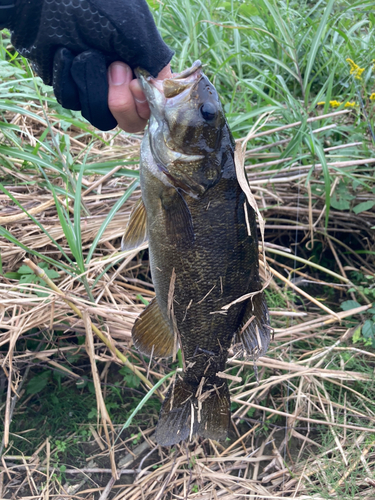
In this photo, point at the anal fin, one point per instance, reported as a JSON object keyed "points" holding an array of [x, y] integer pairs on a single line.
{"points": [[255, 332], [136, 231], [152, 334]]}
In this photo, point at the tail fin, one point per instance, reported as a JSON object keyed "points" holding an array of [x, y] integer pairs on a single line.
{"points": [[187, 410]]}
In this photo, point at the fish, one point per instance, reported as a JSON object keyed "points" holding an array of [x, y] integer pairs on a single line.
{"points": [[203, 251]]}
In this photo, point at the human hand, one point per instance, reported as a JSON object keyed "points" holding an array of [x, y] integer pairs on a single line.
{"points": [[72, 43], [126, 99]]}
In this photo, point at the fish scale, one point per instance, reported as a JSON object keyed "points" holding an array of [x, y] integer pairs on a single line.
{"points": [[203, 251]]}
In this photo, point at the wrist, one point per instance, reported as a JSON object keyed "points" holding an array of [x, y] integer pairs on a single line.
{"points": [[7, 13]]}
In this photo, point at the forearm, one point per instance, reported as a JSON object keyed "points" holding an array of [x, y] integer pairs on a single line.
{"points": [[120, 29], [71, 44]]}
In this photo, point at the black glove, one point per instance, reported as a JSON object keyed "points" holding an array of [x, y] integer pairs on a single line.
{"points": [[72, 42]]}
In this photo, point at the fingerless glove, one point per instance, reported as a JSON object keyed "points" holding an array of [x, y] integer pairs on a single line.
{"points": [[72, 42]]}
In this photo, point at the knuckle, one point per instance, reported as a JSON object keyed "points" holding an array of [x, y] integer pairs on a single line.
{"points": [[120, 104]]}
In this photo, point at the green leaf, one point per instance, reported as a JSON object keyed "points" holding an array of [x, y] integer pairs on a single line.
{"points": [[340, 203], [357, 335], [81, 383], [77, 217], [341, 198], [39, 293], [49, 272], [28, 278], [38, 382], [12, 276], [2, 188], [65, 222], [55, 400], [316, 43], [327, 179], [368, 329], [130, 379], [26, 270], [362, 207], [6, 234], [110, 216], [52, 274], [93, 413], [349, 304], [25, 156], [144, 400]]}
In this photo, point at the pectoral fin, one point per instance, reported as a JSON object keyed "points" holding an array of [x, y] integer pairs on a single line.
{"points": [[254, 333], [179, 223], [136, 231], [152, 334]]}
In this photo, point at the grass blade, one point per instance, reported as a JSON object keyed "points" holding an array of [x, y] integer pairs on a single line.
{"points": [[110, 216], [77, 220], [316, 42]]}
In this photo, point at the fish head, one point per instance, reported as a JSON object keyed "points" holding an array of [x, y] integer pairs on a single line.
{"points": [[185, 128]]}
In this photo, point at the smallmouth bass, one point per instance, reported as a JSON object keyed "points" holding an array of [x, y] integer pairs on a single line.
{"points": [[203, 249]]}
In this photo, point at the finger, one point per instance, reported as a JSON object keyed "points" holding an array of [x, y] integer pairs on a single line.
{"points": [[64, 86], [121, 100], [89, 71], [140, 99]]}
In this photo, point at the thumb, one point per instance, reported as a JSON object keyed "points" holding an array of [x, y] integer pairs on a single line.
{"points": [[121, 101]]}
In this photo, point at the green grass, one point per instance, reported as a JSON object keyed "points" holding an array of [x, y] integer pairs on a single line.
{"points": [[63, 408]]}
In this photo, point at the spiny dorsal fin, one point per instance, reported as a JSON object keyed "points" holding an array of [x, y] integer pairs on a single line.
{"points": [[136, 231], [254, 333], [152, 333]]}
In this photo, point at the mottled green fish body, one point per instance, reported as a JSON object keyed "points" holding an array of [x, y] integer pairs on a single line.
{"points": [[203, 250]]}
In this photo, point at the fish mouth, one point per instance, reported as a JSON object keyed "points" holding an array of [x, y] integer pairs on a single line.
{"points": [[160, 93]]}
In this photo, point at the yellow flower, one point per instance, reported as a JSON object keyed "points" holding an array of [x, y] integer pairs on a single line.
{"points": [[335, 104], [372, 97], [355, 70]]}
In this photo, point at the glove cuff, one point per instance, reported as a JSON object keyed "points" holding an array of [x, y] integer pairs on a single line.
{"points": [[7, 13]]}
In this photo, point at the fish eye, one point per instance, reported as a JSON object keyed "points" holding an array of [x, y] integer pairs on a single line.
{"points": [[208, 111]]}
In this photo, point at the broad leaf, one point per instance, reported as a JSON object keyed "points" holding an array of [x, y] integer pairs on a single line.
{"points": [[38, 382], [349, 304], [362, 207], [368, 330]]}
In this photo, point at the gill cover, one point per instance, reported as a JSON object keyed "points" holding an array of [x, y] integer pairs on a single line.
{"points": [[185, 129]]}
